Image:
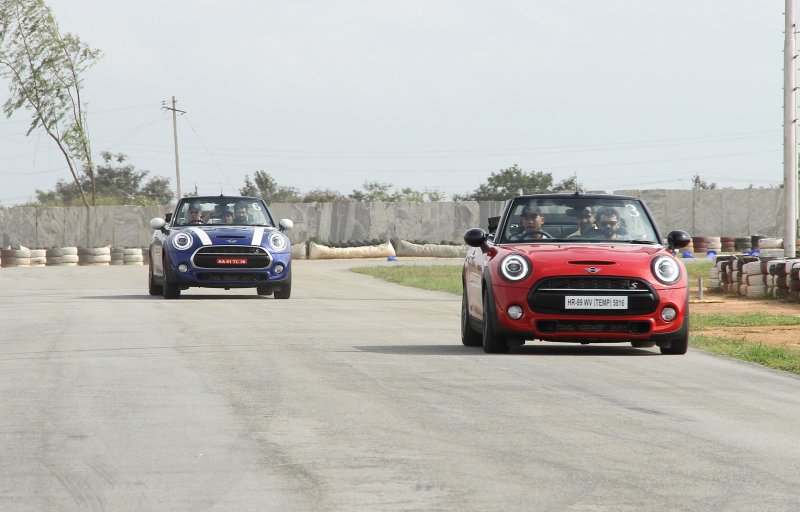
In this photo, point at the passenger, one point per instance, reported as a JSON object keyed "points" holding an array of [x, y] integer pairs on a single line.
{"points": [[531, 226], [585, 223], [227, 216], [608, 225]]}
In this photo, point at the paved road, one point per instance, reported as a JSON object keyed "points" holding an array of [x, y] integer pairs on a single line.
{"points": [[356, 395]]}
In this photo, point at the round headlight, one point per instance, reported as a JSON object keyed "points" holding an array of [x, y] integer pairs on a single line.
{"points": [[277, 241], [515, 267], [182, 241], [666, 269]]}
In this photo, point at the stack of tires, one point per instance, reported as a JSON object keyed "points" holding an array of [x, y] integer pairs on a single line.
{"points": [[753, 279], [728, 244], [793, 279], [723, 267], [132, 256], [742, 244], [16, 256], [98, 256], [703, 244], [62, 256], [38, 257]]}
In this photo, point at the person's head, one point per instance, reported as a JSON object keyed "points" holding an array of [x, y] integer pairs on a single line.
{"points": [[608, 222], [193, 213], [227, 216], [532, 220], [241, 212], [585, 219]]}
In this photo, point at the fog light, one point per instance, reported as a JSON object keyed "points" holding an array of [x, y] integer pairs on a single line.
{"points": [[668, 314], [278, 268], [183, 267], [515, 312]]}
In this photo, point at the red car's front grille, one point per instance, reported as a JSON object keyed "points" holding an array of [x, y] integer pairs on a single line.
{"points": [[549, 295]]}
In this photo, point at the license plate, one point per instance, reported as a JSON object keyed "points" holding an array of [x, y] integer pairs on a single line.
{"points": [[595, 302], [231, 261]]}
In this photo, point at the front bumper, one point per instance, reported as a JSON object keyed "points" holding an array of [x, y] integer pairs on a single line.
{"points": [[233, 275], [544, 319]]}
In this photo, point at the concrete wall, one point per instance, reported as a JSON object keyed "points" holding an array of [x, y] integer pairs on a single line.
{"points": [[700, 212]]}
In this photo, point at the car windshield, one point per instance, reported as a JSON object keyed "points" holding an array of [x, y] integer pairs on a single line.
{"points": [[577, 219], [222, 211]]}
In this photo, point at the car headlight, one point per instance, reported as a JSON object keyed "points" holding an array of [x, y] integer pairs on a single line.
{"points": [[515, 267], [277, 241], [666, 269], [182, 241]]}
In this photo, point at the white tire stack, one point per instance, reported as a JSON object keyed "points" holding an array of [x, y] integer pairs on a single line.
{"points": [[38, 257], [62, 256], [17, 256], [94, 255], [133, 256], [754, 283], [117, 255]]}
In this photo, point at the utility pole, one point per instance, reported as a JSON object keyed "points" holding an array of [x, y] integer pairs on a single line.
{"points": [[175, 111], [789, 134]]}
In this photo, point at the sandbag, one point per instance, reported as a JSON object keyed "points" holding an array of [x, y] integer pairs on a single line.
{"points": [[321, 252], [405, 248]]}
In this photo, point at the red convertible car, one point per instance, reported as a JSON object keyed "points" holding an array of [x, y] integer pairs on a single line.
{"points": [[581, 268]]}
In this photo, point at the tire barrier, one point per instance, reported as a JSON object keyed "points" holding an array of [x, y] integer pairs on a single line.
{"points": [[117, 256], [132, 256], [94, 255], [62, 256], [757, 277], [38, 257], [16, 256]]}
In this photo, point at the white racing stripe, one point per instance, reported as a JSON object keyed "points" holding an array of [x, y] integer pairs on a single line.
{"points": [[258, 235], [202, 235]]}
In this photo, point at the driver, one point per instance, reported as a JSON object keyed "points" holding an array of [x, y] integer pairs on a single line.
{"points": [[531, 226], [194, 215]]}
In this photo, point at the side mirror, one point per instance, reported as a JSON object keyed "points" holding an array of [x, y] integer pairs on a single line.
{"points": [[476, 237], [158, 223], [285, 224], [678, 239]]}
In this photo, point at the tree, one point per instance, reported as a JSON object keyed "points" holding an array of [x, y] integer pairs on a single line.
{"points": [[44, 71], [698, 184], [117, 183], [513, 181], [375, 191], [324, 196], [265, 187]]}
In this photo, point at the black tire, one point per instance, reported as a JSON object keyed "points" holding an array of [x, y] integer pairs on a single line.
{"points": [[152, 287], [493, 343], [171, 288], [264, 290], [469, 336], [678, 347], [286, 288]]}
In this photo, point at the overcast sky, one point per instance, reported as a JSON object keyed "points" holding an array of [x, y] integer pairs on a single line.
{"points": [[428, 94]]}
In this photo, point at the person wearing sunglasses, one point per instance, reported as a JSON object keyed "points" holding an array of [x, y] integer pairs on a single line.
{"points": [[608, 225]]}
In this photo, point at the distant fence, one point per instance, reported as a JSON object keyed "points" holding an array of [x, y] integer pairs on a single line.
{"points": [[700, 212]]}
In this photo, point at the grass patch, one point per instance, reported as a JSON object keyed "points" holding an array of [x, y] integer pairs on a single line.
{"points": [[442, 278], [700, 321], [697, 269], [779, 358]]}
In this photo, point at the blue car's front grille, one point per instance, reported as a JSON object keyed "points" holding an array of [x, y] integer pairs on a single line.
{"points": [[232, 257]]}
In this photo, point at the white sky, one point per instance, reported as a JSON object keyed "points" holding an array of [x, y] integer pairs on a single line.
{"points": [[428, 94]]}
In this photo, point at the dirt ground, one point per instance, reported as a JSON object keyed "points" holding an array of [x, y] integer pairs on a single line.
{"points": [[785, 336]]}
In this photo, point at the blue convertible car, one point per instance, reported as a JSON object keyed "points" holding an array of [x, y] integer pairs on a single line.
{"points": [[220, 242]]}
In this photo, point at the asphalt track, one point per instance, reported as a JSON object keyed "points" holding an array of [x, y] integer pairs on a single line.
{"points": [[357, 395]]}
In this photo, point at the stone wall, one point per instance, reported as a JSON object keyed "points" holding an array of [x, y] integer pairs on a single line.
{"points": [[700, 212]]}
